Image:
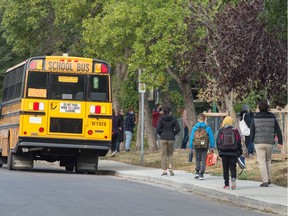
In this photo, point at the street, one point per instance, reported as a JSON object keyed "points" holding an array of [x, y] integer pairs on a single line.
{"points": [[49, 190]]}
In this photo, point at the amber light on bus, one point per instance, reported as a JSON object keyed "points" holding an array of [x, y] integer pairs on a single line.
{"points": [[36, 106], [36, 64], [101, 68], [97, 109]]}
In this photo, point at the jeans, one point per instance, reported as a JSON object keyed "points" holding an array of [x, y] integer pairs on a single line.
{"points": [[249, 145], [185, 138], [229, 163], [128, 140]]}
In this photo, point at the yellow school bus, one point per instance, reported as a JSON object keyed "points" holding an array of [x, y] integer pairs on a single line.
{"points": [[56, 108]]}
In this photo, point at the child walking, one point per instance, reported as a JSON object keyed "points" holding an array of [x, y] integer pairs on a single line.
{"points": [[201, 139], [229, 148]]}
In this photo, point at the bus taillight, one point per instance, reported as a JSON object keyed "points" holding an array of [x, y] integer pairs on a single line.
{"points": [[101, 68], [41, 129], [36, 106], [97, 109], [90, 132]]}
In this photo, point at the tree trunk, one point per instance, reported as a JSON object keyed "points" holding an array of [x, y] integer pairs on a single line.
{"points": [[118, 78], [148, 130], [229, 107], [189, 104]]}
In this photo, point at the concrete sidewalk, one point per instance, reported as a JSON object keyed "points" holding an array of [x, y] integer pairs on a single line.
{"points": [[248, 193]]}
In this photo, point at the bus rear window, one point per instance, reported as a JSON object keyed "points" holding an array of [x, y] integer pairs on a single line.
{"points": [[67, 87], [37, 85]]}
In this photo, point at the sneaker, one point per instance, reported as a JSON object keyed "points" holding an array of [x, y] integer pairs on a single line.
{"points": [[201, 176], [164, 173], [113, 154], [196, 175], [265, 184], [171, 172], [233, 183], [226, 187]]}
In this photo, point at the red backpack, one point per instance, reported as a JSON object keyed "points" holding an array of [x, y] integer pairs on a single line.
{"points": [[228, 139]]}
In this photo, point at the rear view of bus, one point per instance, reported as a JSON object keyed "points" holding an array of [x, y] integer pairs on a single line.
{"points": [[56, 108]]}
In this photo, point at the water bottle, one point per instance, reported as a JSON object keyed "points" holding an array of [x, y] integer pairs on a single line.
{"points": [[190, 155]]}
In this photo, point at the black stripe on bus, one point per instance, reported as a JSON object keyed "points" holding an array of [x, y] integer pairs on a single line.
{"points": [[32, 113], [100, 116]]}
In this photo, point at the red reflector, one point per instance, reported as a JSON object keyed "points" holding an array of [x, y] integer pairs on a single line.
{"points": [[90, 132], [25, 132], [104, 68], [33, 64], [36, 106], [105, 137], [41, 130], [98, 109]]}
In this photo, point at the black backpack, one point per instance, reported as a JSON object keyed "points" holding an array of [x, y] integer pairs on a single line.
{"points": [[227, 139]]}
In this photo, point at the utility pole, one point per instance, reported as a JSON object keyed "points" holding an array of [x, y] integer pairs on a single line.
{"points": [[142, 90]]}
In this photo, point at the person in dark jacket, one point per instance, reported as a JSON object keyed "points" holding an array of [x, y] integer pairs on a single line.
{"points": [[248, 116], [229, 157], [167, 128], [120, 130], [129, 128], [116, 123], [263, 128]]}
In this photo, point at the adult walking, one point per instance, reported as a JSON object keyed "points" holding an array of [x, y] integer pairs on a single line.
{"points": [[156, 114], [263, 128], [167, 128], [186, 130], [129, 128], [247, 116]]}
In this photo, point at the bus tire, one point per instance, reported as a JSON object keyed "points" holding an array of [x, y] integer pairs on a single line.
{"points": [[69, 168], [1, 161], [10, 161]]}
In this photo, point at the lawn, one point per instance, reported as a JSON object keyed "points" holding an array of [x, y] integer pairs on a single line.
{"points": [[153, 159]]}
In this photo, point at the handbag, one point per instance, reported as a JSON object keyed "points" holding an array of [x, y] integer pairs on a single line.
{"points": [[211, 159], [245, 130]]}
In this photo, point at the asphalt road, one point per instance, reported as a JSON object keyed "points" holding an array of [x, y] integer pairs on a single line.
{"points": [[49, 190]]}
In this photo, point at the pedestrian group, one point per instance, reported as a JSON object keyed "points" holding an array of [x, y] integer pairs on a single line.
{"points": [[263, 128]]}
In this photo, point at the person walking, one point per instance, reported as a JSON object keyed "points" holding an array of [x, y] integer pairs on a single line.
{"points": [[263, 128], [186, 130], [167, 128], [116, 123], [120, 130], [129, 128], [156, 114], [229, 146], [248, 116], [201, 134]]}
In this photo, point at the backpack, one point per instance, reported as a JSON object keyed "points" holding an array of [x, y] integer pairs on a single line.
{"points": [[200, 138], [245, 130], [227, 139]]}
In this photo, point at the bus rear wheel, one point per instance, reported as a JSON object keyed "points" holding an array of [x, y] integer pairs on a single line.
{"points": [[87, 162]]}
